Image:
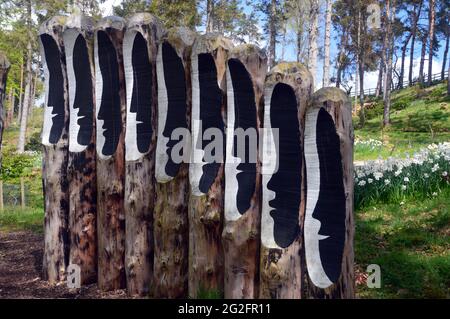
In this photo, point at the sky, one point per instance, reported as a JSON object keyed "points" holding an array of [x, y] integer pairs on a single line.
{"points": [[370, 78]]}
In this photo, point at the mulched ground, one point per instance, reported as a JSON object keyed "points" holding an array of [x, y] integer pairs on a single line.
{"points": [[20, 270]]}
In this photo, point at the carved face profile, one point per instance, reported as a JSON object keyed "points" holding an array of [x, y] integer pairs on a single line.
{"points": [[324, 228], [171, 109], [109, 121], [139, 81], [81, 102], [282, 189], [206, 109], [240, 169], [54, 114]]}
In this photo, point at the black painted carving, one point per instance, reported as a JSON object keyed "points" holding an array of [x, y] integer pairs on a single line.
{"points": [[83, 94], [109, 111], [141, 99], [330, 207], [174, 78], [286, 182], [56, 86], [245, 117], [210, 112]]}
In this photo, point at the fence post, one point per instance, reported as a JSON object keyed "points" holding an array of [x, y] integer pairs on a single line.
{"points": [[288, 88]]}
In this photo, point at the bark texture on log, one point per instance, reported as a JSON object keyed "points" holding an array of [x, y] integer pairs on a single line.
{"points": [[110, 124], [207, 179], [4, 68], [339, 232], [140, 48], [246, 72], [81, 170], [281, 269], [55, 157], [172, 190]]}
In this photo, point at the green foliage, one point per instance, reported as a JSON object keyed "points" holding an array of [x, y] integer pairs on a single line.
{"points": [[34, 143], [204, 293], [16, 165]]}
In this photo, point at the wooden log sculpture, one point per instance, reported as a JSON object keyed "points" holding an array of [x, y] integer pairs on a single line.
{"points": [[110, 124], [208, 61], [328, 226], [172, 190], [79, 47], [287, 90], [140, 46], [55, 157], [246, 72], [4, 69]]}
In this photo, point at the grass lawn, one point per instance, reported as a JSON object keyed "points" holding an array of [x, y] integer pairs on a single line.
{"points": [[419, 117], [410, 243], [14, 219]]}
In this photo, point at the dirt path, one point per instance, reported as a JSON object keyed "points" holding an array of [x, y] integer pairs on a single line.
{"points": [[20, 269]]}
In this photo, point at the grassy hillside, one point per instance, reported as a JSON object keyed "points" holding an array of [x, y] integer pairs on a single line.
{"points": [[419, 117]]}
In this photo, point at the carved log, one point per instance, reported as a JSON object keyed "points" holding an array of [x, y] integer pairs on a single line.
{"points": [[110, 124], [140, 50], [208, 60], [55, 157], [81, 170], [172, 190], [246, 71], [4, 68], [288, 88], [329, 226]]}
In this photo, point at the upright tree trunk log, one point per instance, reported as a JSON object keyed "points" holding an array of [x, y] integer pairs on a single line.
{"points": [[246, 72], [110, 124], [4, 68], [329, 226], [81, 171], [288, 88], [171, 231], [140, 50], [209, 56], [55, 141]]}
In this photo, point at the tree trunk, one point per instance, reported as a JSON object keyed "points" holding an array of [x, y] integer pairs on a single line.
{"points": [[19, 110], [171, 230], [326, 60], [209, 16], [432, 17], [81, 170], [379, 80], [390, 17], [272, 34], [110, 123], [26, 101], [246, 70], [444, 60], [10, 110], [313, 33], [341, 56], [209, 56], [55, 158], [288, 88], [4, 69], [329, 147], [422, 58], [402, 66], [416, 16], [140, 50]]}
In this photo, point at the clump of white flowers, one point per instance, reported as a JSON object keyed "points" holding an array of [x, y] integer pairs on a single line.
{"points": [[424, 173]]}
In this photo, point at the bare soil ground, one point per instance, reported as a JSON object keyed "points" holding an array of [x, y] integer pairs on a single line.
{"points": [[20, 271]]}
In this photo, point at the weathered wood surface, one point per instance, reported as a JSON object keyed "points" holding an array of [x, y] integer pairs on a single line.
{"points": [[140, 165], [241, 234], [54, 170], [206, 210], [281, 269], [81, 169], [4, 68], [338, 105], [111, 171], [171, 231]]}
